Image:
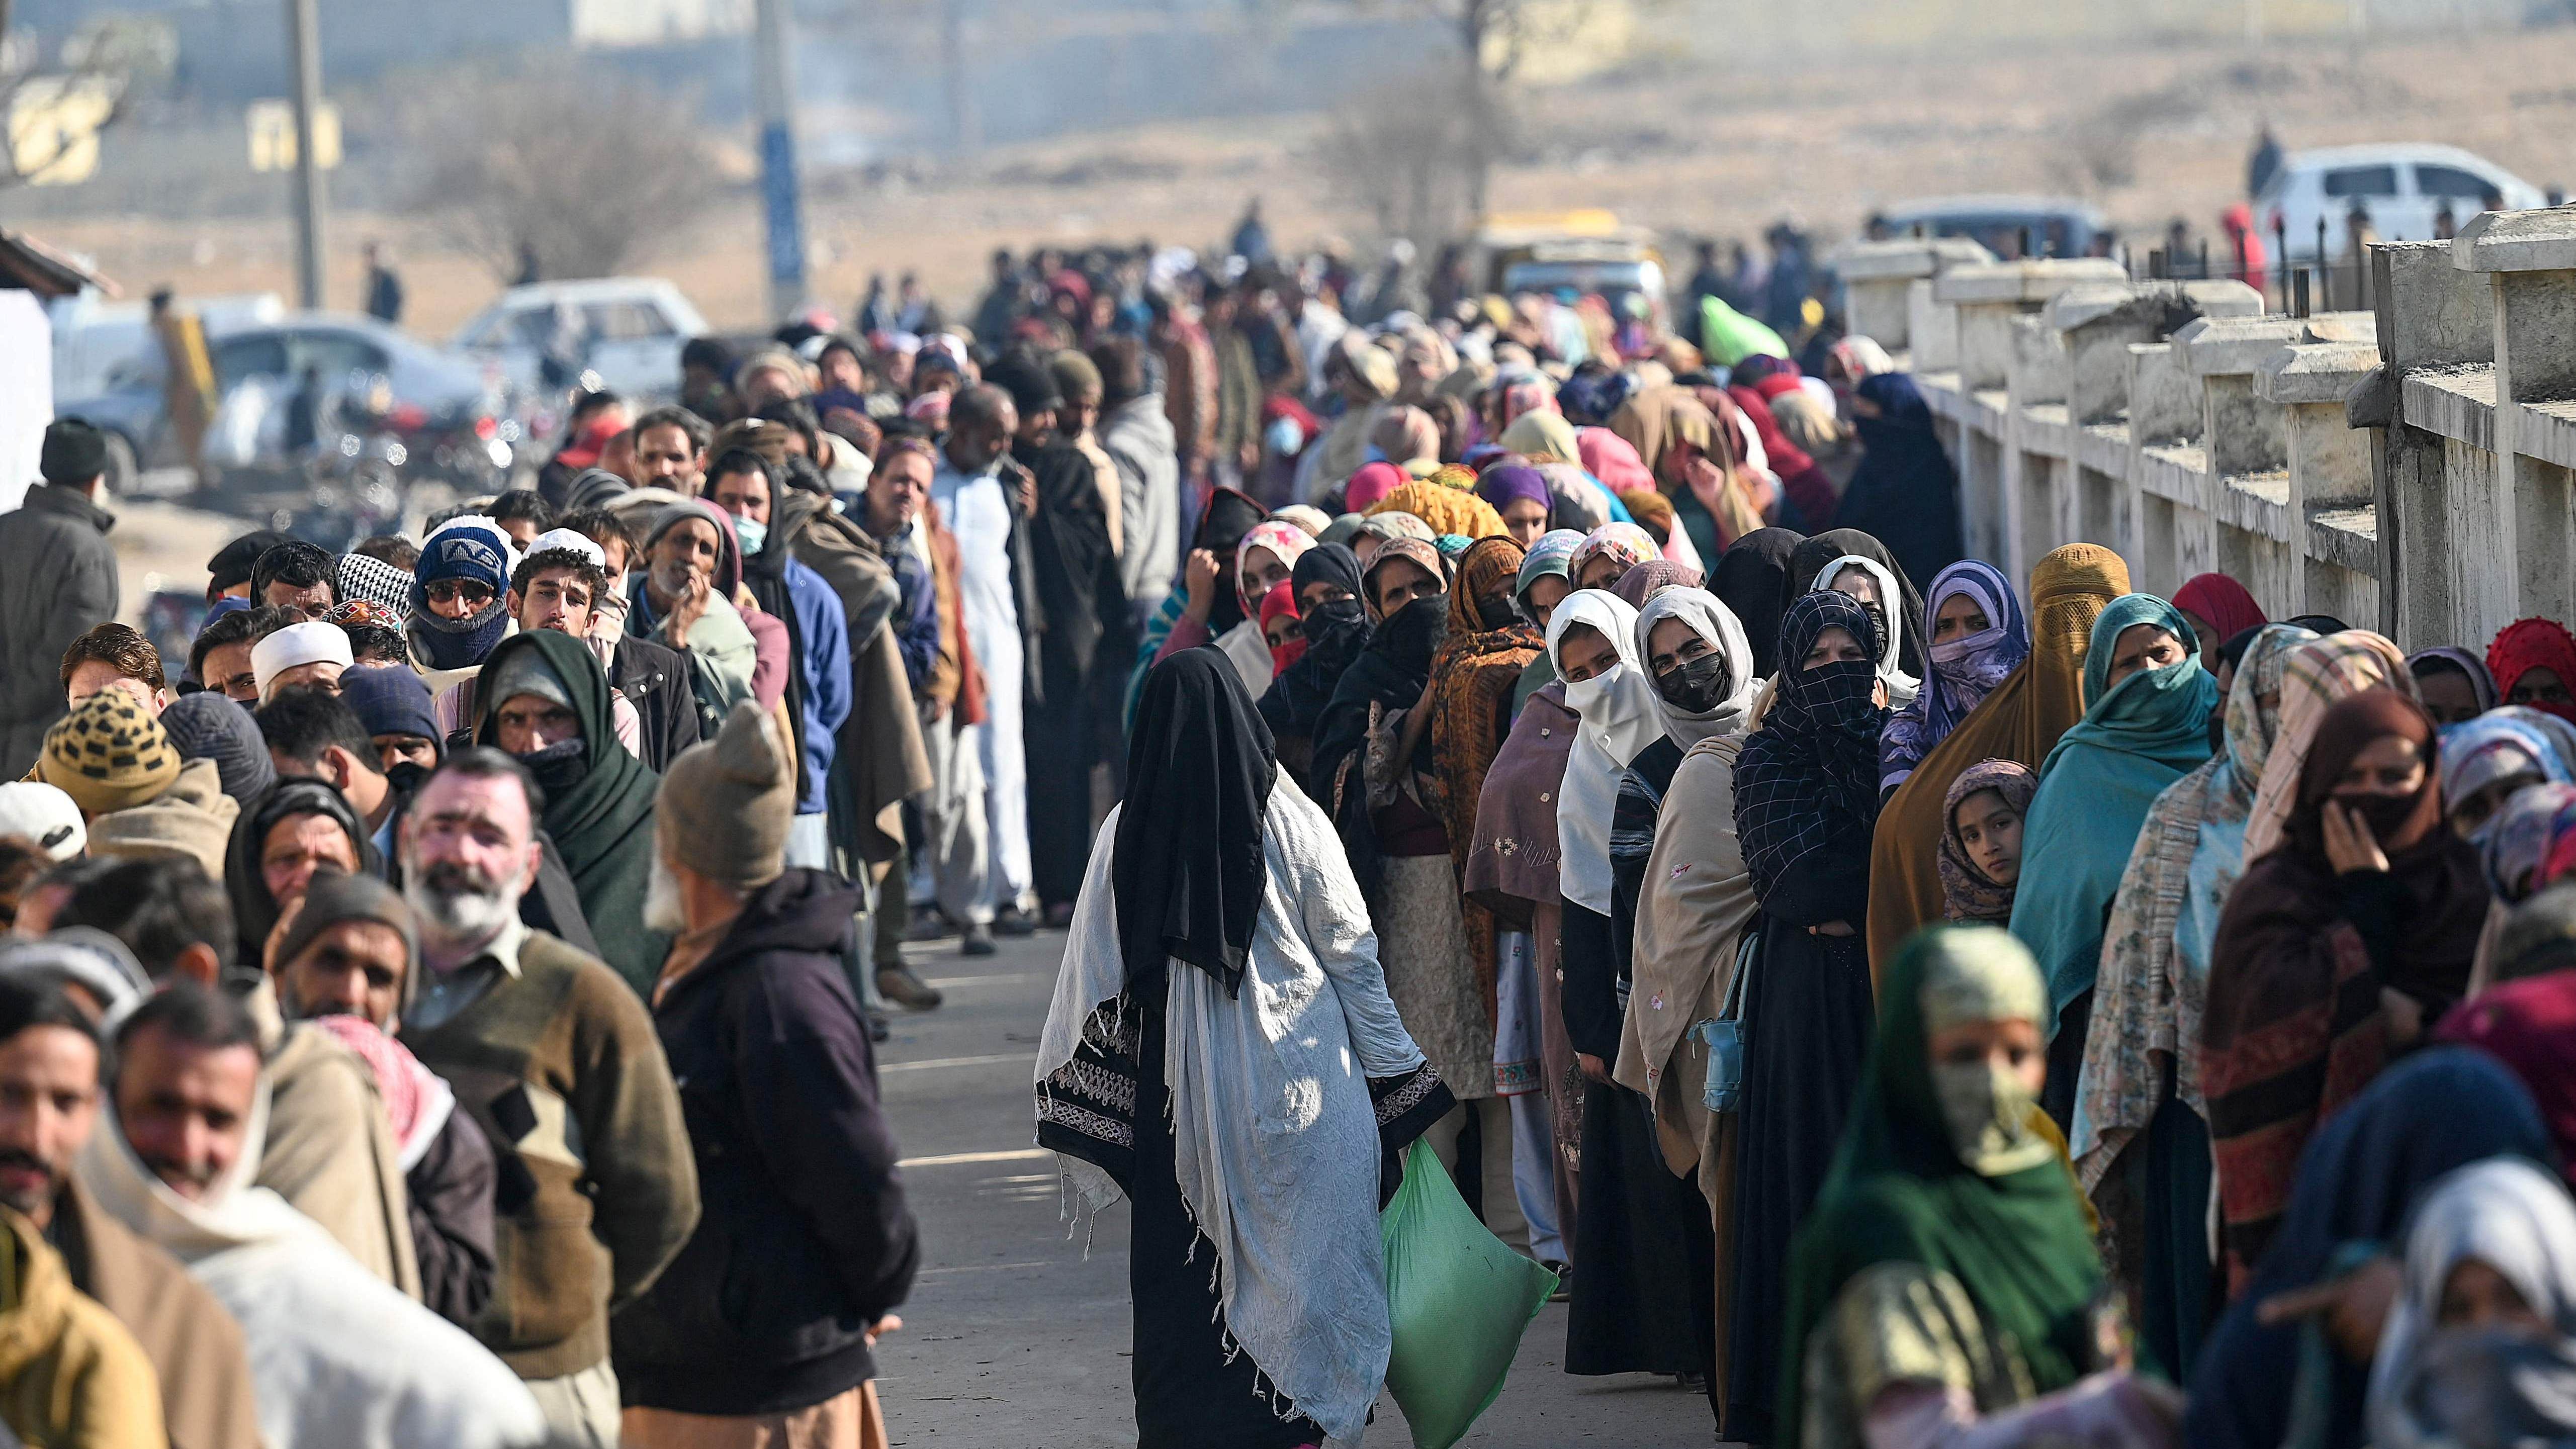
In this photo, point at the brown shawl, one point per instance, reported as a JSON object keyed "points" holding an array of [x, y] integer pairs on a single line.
{"points": [[2020, 722], [1511, 860], [1471, 705], [2294, 1025], [1658, 420]]}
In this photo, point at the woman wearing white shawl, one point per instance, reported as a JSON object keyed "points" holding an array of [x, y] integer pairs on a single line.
{"points": [[338, 1358], [1884, 611], [1222, 1052], [2481, 1345], [1642, 1295], [1696, 900]]}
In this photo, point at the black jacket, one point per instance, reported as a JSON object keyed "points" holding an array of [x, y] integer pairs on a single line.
{"points": [[804, 1239], [451, 1189], [657, 682], [58, 576]]}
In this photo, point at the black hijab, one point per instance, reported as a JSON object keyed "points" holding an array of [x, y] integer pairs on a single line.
{"points": [[1752, 579], [1905, 491], [1188, 868], [255, 911], [1811, 558], [1230, 515], [1077, 571], [1335, 635], [1391, 672]]}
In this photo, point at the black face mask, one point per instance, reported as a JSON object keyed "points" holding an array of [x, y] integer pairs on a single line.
{"points": [[1497, 611], [1695, 685]]}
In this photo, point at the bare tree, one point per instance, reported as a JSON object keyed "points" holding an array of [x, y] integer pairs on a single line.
{"points": [[1410, 156], [53, 119], [582, 173], [1494, 38]]}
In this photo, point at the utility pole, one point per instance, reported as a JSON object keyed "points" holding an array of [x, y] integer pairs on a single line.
{"points": [[304, 52], [774, 77]]}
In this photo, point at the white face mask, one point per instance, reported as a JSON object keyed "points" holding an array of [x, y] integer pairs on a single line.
{"points": [[608, 621], [1584, 696]]}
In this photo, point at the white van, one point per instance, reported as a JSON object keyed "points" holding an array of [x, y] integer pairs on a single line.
{"points": [[2402, 186], [629, 330]]}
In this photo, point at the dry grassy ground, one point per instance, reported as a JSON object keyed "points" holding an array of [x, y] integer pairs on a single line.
{"points": [[2149, 133]]}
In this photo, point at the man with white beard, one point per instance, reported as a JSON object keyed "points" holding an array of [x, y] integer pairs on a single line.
{"points": [[558, 1063]]}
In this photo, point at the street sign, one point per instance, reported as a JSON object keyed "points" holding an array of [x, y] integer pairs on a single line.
{"points": [[272, 135]]}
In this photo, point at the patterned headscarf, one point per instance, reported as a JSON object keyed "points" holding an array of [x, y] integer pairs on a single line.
{"points": [[2488, 749], [2318, 677], [1552, 554], [1807, 780], [2529, 644], [1964, 671], [1966, 893], [1652, 577], [1472, 678], [1285, 540], [2524, 835], [1445, 509], [1626, 542]]}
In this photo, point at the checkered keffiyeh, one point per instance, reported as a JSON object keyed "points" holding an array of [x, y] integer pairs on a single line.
{"points": [[376, 582]]}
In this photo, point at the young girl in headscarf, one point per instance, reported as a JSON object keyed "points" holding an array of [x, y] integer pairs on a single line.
{"points": [[2147, 703], [1979, 636], [2346, 943], [1642, 1243], [1806, 800], [1947, 1288], [1280, 627], [1981, 839], [2219, 609], [1265, 557], [1222, 1052], [1546, 577]]}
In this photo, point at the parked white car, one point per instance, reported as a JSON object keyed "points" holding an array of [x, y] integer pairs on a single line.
{"points": [[2403, 186], [629, 330]]}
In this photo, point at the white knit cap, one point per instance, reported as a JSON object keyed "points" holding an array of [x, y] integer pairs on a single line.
{"points": [[565, 538], [44, 814], [309, 643]]}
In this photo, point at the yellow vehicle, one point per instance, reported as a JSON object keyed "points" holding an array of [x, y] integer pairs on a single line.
{"points": [[1585, 250]]}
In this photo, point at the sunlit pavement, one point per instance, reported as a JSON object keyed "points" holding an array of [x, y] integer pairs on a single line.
{"points": [[1016, 1338]]}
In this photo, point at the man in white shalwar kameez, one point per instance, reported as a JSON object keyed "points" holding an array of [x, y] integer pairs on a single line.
{"points": [[976, 505]]}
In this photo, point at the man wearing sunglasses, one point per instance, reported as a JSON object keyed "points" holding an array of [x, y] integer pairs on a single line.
{"points": [[457, 613]]}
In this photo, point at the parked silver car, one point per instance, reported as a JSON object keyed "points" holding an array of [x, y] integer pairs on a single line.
{"points": [[626, 330]]}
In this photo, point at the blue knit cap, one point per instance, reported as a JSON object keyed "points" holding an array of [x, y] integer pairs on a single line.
{"points": [[391, 701]]}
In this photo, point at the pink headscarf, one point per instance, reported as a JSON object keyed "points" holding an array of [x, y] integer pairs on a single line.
{"points": [[1612, 459], [1285, 540], [416, 1101], [1371, 483]]}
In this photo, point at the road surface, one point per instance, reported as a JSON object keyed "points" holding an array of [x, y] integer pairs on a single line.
{"points": [[1017, 1338]]}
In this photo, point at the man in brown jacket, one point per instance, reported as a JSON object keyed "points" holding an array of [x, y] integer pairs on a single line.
{"points": [[557, 1061], [49, 1086]]}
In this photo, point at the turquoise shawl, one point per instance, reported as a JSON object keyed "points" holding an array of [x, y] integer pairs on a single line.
{"points": [[2094, 792]]}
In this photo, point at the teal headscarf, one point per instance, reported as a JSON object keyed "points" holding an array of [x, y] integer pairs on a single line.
{"points": [[2095, 789]]}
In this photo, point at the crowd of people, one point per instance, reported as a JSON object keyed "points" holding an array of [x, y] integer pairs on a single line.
{"points": [[1906, 1004]]}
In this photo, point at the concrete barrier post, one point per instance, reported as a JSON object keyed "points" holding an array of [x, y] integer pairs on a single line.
{"points": [[1878, 281], [2530, 260]]}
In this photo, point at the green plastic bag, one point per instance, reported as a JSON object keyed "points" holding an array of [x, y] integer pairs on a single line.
{"points": [[1459, 1301], [1728, 337]]}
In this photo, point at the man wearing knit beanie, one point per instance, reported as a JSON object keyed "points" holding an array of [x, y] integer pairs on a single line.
{"points": [[457, 613], [394, 706], [753, 1007], [58, 576]]}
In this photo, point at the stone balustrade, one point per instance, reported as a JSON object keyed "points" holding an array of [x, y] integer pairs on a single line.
{"points": [[2411, 469]]}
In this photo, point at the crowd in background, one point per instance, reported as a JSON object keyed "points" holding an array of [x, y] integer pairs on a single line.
{"points": [[1907, 1004]]}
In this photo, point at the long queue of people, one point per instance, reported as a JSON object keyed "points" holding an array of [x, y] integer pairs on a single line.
{"points": [[1996, 1012], [1991, 1011]]}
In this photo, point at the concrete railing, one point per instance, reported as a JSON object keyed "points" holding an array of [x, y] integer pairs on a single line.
{"points": [[2355, 463]]}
